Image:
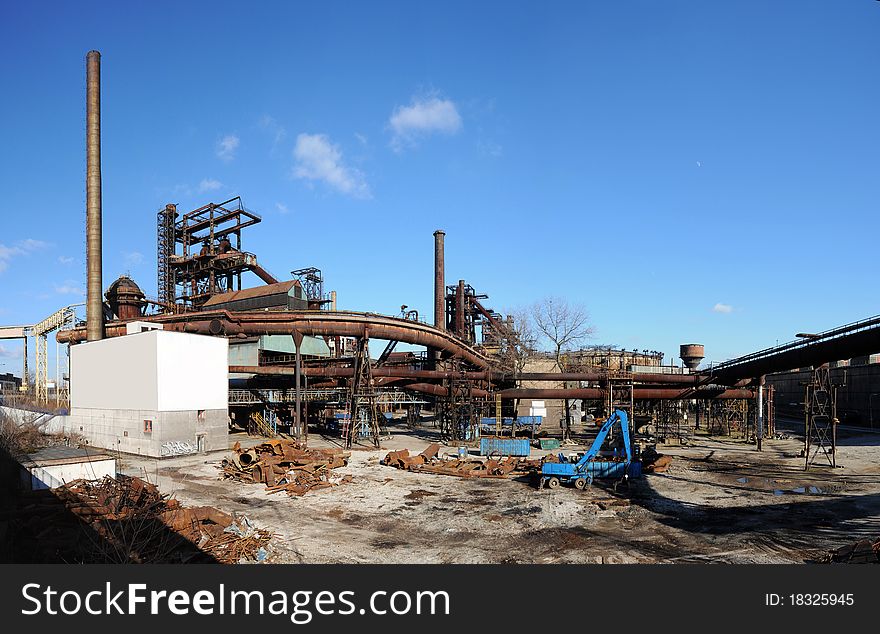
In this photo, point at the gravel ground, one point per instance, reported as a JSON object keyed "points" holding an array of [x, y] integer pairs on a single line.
{"points": [[720, 501]]}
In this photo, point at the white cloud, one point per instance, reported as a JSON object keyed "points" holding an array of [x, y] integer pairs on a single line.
{"points": [[6, 353], [722, 308], [317, 159], [282, 208], [425, 116], [133, 258], [29, 244], [271, 125], [209, 185], [65, 260], [227, 146], [70, 287], [21, 248], [361, 137], [6, 254]]}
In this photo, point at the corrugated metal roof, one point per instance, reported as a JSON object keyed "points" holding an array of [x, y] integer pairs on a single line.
{"points": [[251, 293]]}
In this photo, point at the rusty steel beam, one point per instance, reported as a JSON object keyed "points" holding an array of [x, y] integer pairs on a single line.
{"points": [[94, 285]]}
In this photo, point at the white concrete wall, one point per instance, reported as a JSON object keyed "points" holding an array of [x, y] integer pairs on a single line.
{"points": [[115, 373], [52, 476], [155, 370], [193, 372], [172, 432]]}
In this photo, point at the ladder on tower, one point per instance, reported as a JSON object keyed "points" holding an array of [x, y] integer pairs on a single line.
{"points": [[364, 419]]}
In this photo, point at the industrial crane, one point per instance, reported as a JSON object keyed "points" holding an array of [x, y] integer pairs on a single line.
{"points": [[582, 472]]}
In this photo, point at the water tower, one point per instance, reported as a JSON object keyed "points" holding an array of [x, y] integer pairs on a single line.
{"points": [[691, 354]]}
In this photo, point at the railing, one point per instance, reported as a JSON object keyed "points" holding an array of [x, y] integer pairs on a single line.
{"points": [[840, 331], [256, 397], [260, 425], [336, 396]]}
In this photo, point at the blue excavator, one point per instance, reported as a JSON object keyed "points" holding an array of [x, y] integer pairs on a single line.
{"points": [[580, 473]]}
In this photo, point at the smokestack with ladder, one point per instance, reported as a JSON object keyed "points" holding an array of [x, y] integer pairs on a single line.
{"points": [[94, 286]]}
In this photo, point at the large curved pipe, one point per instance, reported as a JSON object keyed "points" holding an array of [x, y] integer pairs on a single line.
{"points": [[343, 324]]}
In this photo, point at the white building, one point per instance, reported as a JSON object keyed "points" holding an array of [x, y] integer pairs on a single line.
{"points": [[155, 393]]}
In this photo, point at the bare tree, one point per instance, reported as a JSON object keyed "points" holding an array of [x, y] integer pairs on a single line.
{"points": [[519, 340], [563, 327]]}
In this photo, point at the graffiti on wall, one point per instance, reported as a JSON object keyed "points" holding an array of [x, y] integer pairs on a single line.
{"points": [[177, 448]]}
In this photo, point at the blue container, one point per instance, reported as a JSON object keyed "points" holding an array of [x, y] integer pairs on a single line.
{"points": [[596, 469], [504, 446]]}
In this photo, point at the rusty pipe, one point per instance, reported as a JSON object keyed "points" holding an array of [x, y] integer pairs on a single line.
{"points": [[344, 324], [404, 373], [638, 393], [459, 309], [485, 375], [439, 390], [639, 377], [94, 285]]}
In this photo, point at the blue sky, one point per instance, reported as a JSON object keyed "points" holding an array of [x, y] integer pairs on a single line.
{"points": [[688, 171]]}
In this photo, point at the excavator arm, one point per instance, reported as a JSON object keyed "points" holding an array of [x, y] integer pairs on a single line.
{"points": [[618, 416]]}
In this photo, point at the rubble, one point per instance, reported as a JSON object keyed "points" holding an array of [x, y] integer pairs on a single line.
{"points": [[286, 465], [429, 462], [136, 523], [863, 551], [653, 462]]}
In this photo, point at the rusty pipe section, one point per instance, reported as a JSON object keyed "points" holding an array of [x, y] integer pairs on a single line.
{"points": [[647, 377], [638, 393], [439, 390], [402, 373], [343, 324], [94, 285], [484, 375], [439, 281]]}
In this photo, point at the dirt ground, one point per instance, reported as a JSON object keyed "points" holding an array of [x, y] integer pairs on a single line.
{"points": [[720, 501]]}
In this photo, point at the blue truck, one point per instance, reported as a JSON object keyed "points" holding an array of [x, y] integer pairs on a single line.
{"points": [[583, 471]]}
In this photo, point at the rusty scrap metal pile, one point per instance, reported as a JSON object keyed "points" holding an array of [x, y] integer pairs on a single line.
{"points": [[127, 519], [286, 465], [864, 551], [429, 462]]}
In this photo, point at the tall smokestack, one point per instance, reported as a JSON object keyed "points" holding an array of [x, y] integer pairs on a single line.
{"points": [[439, 281], [94, 286]]}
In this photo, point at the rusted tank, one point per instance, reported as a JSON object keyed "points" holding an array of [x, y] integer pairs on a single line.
{"points": [[126, 299], [691, 355]]}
